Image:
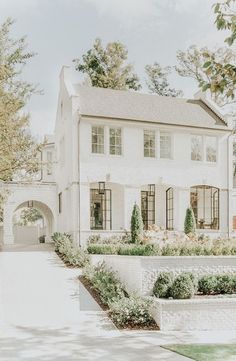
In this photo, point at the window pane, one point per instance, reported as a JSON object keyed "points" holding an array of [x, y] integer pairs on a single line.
{"points": [[97, 140], [115, 141], [196, 147], [149, 143], [211, 147], [165, 145]]}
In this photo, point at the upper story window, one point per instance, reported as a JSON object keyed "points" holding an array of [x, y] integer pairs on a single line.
{"points": [[115, 141], [98, 139], [196, 147], [165, 145], [211, 149], [204, 148], [149, 143], [49, 163]]}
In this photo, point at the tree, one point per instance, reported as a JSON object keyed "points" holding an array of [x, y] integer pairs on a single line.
{"points": [[222, 76], [18, 149], [189, 223], [136, 224], [157, 80], [107, 67], [191, 64], [29, 216]]}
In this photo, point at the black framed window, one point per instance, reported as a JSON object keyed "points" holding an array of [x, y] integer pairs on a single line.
{"points": [[60, 202], [100, 209], [170, 208], [204, 201], [147, 208]]}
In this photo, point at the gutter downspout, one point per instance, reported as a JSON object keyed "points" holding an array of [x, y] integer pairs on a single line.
{"points": [[229, 166], [79, 195]]}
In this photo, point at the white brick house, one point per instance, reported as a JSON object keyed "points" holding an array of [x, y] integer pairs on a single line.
{"points": [[114, 148]]}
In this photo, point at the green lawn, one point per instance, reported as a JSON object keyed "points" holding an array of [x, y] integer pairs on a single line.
{"points": [[205, 352]]}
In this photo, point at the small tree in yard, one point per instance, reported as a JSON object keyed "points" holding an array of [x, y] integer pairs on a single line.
{"points": [[189, 223], [136, 224]]}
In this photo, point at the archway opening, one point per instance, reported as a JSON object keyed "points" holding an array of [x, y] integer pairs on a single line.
{"points": [[33, 222]]}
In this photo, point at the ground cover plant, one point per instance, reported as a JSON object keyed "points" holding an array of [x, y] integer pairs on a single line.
{"points": [[69, 253], [186, 285], [205, 352], [126, 311]]}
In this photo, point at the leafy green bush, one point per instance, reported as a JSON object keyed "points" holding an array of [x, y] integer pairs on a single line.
{"points": [[194, 280], [162, 285], [189, 223], [136, 225], [224, 284], [70, 254], [213, 248], [105, 282], [103, 248], [133, 310], [182, 287], [207, 284]]}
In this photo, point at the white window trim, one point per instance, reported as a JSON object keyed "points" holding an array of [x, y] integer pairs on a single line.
{"points": [[204, 160], [158, 145], [171, 144], [156, 142], [122, 141], [104, 143]]}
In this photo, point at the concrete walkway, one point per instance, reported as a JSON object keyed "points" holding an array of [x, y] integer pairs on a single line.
{"points": [[47, 315]]}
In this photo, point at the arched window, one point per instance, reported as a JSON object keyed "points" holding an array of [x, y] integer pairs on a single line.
{"points": [[170, 209], [204, 201]]}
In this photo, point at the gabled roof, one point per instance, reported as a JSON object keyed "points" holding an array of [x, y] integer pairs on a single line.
{"points": [[129, 105]]}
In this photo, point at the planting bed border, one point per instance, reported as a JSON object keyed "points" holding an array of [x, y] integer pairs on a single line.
{"points": [[89, 287], [206, 314]]}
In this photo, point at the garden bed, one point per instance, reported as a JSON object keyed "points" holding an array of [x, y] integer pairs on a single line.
{"points": [[139, 273], [131, 326]]}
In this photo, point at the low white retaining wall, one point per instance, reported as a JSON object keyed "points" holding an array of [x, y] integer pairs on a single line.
{"points": [[195, 314], [139, 273]]}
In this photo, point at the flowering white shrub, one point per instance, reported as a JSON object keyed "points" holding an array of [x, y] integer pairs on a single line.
{"points": [[70, 254], [131, 311]]}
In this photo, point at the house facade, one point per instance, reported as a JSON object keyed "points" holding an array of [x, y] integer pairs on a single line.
{"points": [[118, 148], [112, 149]]}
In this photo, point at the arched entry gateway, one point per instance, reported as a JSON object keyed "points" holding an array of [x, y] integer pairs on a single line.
{"points": [[30, 233], [39, 196]]}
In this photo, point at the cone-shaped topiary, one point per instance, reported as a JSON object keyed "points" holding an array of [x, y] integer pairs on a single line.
{"points": [[136, 225], [189, 223]]}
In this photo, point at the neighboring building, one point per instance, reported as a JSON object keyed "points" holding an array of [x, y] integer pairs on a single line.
{"points": [[114, 148]]}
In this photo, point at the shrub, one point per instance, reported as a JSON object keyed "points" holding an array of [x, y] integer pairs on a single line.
{"points": [[162, 285], [207, 284], [194, 280], [102, 248], [182, 287], [224, 284], [70, 254], [106, 283], [136, 225], [138, 250], [189, 223], [133, 310]]}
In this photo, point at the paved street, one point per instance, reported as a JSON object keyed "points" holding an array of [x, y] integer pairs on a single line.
{"points": [[47, 315]]}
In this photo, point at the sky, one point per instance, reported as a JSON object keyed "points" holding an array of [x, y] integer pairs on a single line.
{"points": [[62, 30]]}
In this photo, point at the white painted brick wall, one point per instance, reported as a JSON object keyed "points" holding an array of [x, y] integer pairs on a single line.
{"points": [[139, 273], [195, 314]]}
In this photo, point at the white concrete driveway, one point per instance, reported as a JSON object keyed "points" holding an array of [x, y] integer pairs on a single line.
{"points": [[47, 315]]}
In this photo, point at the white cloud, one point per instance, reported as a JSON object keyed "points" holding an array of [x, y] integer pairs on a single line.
{"points": [[128, 13]]}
